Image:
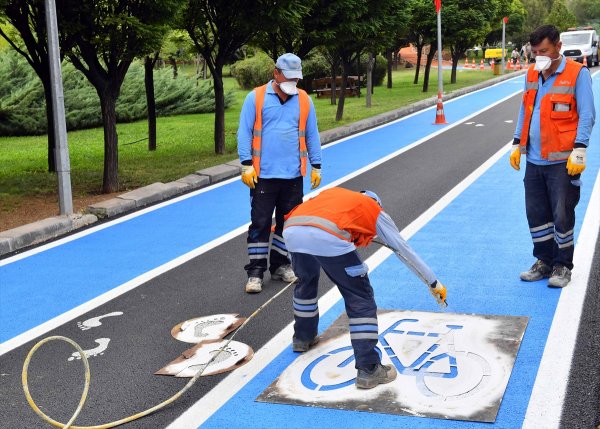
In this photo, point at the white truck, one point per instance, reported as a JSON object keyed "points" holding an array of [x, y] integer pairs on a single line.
{"points": [[580, 42]]}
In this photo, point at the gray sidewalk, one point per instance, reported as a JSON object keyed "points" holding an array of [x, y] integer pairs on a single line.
{"points": [[16, 239]]}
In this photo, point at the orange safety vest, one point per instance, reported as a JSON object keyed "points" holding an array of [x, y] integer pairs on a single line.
{"points": [[558, 112], [304, 101], [348, 215]]}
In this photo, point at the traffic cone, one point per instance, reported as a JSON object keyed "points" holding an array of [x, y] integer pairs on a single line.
{"points": [[440, 119], [518, 67], [492, 64], [481, 66], [585, 61], [473, 66], [466, 66], [509, 65]]}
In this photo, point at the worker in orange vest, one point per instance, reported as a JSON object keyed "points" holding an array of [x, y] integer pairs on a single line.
{"points": [[324, 232], [277, 137], [554, 127]]}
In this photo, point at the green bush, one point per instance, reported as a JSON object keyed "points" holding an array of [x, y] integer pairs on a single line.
{"points": [[254, 71], [379, 69], [22, 102]]}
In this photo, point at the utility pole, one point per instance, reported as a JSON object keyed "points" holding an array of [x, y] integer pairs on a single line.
{"points": [[63, 167], [504, 22]]}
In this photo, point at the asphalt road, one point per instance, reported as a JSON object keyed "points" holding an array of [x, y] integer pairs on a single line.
{"points": [[140, 342]]}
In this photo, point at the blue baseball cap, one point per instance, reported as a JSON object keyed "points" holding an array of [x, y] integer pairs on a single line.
{"points": [[290, 65], [374, 196]]}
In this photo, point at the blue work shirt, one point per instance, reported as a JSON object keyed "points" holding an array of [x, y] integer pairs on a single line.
{"points": [[585, 109], [280, 147], [318, 242]]}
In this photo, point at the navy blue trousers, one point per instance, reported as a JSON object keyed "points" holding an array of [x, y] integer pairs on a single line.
{"points": [[350, 275], [281, 196], [551, 196]]}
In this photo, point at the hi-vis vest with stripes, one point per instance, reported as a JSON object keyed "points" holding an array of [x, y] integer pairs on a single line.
{"points": [[558, 113], [348, 215], [304, 101]]}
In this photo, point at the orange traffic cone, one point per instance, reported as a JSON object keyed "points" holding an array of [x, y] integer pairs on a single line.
{"points": [[466, 66], [492, 64], [509, 65], [440, 119], [473, 66], [585, 61], [481, 66], [518, 67]]}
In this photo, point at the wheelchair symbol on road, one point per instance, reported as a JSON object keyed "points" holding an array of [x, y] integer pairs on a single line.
{"points": [[450, 366]]}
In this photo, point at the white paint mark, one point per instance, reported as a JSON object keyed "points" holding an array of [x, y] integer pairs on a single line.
{"points": [[99, 350], [197, 358], [480, 125], [233, 383], [94, 322], [469, 123], [207, 328], [548, 395], [510, 121]]}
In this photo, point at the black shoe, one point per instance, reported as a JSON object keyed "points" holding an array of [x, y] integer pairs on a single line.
{"points": [[380, 375], [538, 271], [301, 346]]}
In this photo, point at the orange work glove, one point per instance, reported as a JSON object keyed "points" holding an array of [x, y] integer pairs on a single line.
{"points": [[249, 176]]}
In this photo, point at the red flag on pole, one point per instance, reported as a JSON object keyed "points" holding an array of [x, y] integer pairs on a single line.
{"points": [[438, 5]]}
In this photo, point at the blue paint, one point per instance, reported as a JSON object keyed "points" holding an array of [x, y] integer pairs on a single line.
{"points": [[40, 287], [477, 246]]}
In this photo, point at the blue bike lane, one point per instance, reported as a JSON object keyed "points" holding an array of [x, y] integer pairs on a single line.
{"points": [[477, 246], [39, 287]]}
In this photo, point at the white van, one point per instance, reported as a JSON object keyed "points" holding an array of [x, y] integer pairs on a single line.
{"points": [[580, 42]]}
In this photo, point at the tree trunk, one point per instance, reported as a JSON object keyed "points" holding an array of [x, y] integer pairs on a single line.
{"points": [[389, 67], [108, 102], [219, 109], [418, 65], [455, 59], [333, 86], [173, 62], [50, 121], [430, 56], [396, 60], [340, 108], [369, 78], [150, 101]]}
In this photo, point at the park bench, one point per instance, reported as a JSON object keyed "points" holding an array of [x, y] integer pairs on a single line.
{"points": [[322, 86]]}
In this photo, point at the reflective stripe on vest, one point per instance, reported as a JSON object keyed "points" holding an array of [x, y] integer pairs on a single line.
{"points": [[304, 102], [558, 112], [318, 222]]}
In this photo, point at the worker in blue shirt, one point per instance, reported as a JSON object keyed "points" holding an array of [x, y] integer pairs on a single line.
{"points": [[555, 122], [277, 137]]}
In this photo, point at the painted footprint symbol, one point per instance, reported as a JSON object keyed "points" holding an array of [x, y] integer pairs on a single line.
{"points": [[94, 322], [102, 346]]}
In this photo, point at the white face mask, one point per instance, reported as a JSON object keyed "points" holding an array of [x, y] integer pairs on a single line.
{"points": [[289, 87], [543, 63]]}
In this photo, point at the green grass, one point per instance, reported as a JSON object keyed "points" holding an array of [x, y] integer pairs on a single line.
{"points": [[184, 144]]}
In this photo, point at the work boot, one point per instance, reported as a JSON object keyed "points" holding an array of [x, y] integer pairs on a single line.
{"points": [[538, 271], [301, 346], [284, 273], [561, 276], [254, 285], [380, 375]]}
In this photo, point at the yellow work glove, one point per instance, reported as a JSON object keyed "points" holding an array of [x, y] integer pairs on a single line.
{"points": [[576, 161], [315, 177], [438, 290], [515, 157], [249, 176]]}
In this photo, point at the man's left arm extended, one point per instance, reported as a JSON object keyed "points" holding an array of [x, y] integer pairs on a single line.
{"points": [[388, 233], [584, 97]]}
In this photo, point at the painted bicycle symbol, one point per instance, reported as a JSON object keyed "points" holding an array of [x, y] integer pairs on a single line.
{"points": [[431, 357]]}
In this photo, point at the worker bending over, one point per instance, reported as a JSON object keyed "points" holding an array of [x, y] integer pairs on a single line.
{"points": [[324, 232]]}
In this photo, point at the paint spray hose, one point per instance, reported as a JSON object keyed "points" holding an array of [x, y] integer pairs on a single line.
{"points": [[432, 288], [88, 377]]}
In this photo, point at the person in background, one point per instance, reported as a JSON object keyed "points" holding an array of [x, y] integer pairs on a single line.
{"points": [[277, 138]]}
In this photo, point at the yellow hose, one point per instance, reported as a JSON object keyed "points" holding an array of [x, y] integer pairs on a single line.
{"points": [[88, 377]]}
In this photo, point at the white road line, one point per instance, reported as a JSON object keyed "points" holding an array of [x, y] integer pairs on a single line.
{"points": [[209, 188], [133, 283], [228, 387]]}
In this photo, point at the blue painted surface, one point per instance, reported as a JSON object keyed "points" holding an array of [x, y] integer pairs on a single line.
{"points": [[477, 246], [40, 287]]}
